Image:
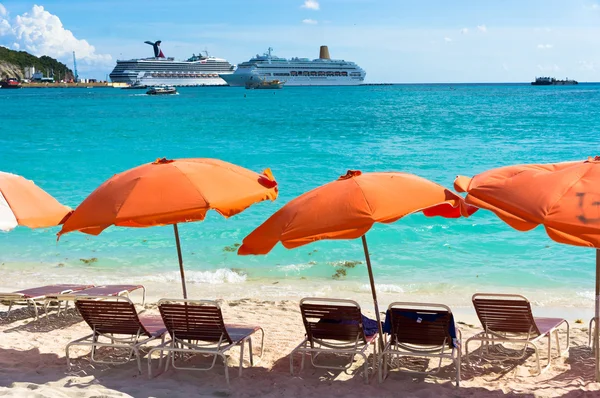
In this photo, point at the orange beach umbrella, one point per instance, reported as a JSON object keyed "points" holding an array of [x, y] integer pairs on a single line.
{"points": [[24, 203], [348, 207], [563, 197], [169, 192]]}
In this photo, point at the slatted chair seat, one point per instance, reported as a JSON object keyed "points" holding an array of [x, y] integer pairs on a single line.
{"points": [[116, 323], [507, 318], [421, 329], [333, 326], [197, 327]]}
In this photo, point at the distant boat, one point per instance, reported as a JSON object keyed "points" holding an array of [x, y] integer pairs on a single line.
{"points": [[161, 90], [551, 81], [198, 70], [322, 71], [265, 84], [10, 82]]}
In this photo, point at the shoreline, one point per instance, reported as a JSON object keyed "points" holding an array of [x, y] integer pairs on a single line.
{"points": [[294, 290]]}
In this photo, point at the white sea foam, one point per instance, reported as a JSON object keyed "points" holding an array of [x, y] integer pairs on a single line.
{"points": [[296, 268], [220, 276], [383, 287]]}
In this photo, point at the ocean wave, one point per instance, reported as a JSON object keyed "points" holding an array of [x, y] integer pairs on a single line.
{"points": [[219, 276], [383, 288], [295, 267]]}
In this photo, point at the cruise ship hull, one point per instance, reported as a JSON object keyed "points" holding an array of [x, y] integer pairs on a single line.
{"points": [[240, 80], [170, 81]]}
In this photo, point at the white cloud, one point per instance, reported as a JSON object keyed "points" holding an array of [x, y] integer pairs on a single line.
{"points": [[311, 4], [447, 39], [464, 31], [482, 28], [544, 46], [4, 27], [548, 68], [3, 11], [587, 65], [42, 33], [309, 21], [594, 6]]}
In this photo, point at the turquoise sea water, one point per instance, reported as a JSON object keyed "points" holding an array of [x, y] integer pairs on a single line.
{"points": [[70, 140]]}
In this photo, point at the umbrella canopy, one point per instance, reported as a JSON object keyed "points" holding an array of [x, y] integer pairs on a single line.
{"points": [[24, 203], [169, 192], [348, 208], [563, 197]]}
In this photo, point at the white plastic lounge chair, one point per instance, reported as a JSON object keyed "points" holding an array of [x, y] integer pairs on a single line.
{"points": [[334, 326], [101, 291], [116, 323], [197, 327], [507, 318], [38, 297], [421, 330]]}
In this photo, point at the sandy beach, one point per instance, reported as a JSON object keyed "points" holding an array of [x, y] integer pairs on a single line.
{"points": [[33, 364]]}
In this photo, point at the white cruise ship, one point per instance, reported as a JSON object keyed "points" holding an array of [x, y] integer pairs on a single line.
{"points": [[323, 71], [199, 70]]}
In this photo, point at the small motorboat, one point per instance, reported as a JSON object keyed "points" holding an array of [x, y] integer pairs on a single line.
{"points": [[265, 84], [161, 90], [10, 82]]}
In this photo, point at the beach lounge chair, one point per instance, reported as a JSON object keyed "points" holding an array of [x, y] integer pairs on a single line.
{"points": [[116, 323], [334, 326], [101, 291], [197, 327], [507, 318], [420, 330], [38, 297]]}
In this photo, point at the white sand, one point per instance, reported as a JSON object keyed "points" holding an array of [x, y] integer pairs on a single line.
{"points": [[33, 364]]}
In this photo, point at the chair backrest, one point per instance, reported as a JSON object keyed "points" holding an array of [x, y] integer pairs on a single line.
{"points": [[421, 324], [194, 320], [505, 313], [332, 319], [115, 315]]}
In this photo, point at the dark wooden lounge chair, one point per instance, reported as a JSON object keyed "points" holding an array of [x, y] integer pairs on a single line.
{"points": [[116, 323], [507, 318], [421, 330], [334, 326], [197, 327]]}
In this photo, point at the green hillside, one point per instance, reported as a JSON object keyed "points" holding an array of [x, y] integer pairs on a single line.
{"points": [[44, 64]]}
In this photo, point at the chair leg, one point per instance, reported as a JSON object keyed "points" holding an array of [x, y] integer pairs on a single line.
{"points": [[241, 358], [250, 351], [374, 358], [457, 363], [366, 368], [138, 358], [226, 368]]}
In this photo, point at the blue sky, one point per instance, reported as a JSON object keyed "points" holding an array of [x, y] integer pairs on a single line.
{"points": [[393, 40]]}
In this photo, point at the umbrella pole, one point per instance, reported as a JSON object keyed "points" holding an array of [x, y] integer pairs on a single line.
{"points": [[596, 342], [180, 261], [368, 258]]}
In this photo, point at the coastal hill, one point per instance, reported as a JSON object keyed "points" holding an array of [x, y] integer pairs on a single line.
{"points": [[13, 63]]}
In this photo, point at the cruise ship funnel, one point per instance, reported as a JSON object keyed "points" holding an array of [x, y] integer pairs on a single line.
{"points": [[324, 53]]}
